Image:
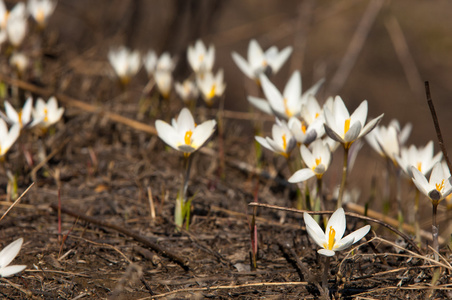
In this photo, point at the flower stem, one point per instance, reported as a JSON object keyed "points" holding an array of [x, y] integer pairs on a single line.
{"points": [[326, 272], [181, 211], [399, 201], [417, 229], [344, 178], [318, 204], [188, 160], [435, 231]]}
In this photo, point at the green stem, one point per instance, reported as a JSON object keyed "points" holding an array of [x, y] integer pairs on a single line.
{"points": [[435, 230], [326, 272], [318, 204], [182, 209], [344, 177], [417, 229], [399, 201]]}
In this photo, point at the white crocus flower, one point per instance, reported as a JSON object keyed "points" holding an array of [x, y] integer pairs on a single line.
{"points": [[345, 128], [211, 86], [201, 59], [6, 257], [311, 110], [384, 141], [421, 158], [287, 104], [332, 240], [8, 137], [187, 90], [282, 141], [16, 24], [317, 161], [260, 62], [150, 62], [387, 141], [437, 187], [19, 61], [23, 117], [305, 134], [184, 135], [41, 10], [125, 62], [154, 64], [46, 114], [164, 82]]}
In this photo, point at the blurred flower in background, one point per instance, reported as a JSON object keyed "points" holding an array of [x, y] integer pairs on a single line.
{"points": [[125, 62], [260, 62]]}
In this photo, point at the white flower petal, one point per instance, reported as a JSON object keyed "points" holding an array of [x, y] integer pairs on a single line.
{"points": [[243, 65], [337, 221], [167, 133], [10, 252], [301, 175], [11, 270], [314, 230], [202, 133], [261, 104], [326, 252]]}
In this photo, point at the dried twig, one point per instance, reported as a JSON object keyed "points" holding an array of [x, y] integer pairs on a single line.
{"points": [[298, 211], [227, 287], [393, 222], [436, 123]]}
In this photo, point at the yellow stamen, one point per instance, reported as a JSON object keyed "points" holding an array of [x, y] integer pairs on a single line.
{"points": [[331, 236], [316, 115], [284, 141], [201, 57], [318, 161], [286, 108], [187, 137], [212, 92], [46, 118], [346, 125], [264, 63], [20, 118], [303, 128], [440, 186], [419, 166]]}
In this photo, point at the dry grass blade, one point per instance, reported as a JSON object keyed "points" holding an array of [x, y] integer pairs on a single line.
{"points": [[17, 201]]}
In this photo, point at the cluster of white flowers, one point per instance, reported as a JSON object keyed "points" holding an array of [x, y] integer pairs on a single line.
{"points": [[126, 63], [14, 26], [41, 115], [415, 162]]}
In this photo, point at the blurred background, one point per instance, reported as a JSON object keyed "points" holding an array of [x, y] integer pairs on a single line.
{"points": [[382, 51], [378, 50]]}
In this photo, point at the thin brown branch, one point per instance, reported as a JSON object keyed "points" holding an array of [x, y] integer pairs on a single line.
{"points": [[227, 287], [159, 249], [299, 211], [437, 127]]}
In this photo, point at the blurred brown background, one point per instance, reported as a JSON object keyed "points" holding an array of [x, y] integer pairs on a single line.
{"points": [[403, 43]]}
